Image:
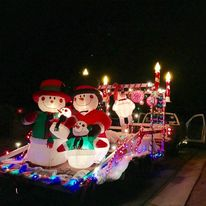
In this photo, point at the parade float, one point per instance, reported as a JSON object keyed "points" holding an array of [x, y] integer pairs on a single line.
{"points": [[78, 145]]}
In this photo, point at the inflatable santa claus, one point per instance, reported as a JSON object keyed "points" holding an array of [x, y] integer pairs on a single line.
{"points": [[123, 106], [42, 150], [91, 144]]}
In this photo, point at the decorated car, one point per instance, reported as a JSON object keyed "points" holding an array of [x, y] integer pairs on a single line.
{"points": [[76, 145]]}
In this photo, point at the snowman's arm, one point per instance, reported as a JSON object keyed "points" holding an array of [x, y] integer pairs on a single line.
{"points": [[62, 118], [103, 121], [62, 133], [99, 121], [94, 130], [30, 118], [64, 129]]}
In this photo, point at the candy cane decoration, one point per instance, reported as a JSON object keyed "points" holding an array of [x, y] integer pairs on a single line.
{"points": [[106, 94], [167, 93], [157, 75]]}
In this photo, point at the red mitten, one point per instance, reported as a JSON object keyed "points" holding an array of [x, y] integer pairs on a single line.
{"points": [[61, 148], [30, 118], [101, 144]]}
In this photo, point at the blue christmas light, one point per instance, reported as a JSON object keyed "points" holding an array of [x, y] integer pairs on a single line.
{"points": [[73, 185], [19, 157], [34, 176], [23, 168], [55, 180], [92, 178], [157, 155], [7, 167]]}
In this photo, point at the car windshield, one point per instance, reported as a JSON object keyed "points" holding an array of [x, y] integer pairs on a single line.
{"points": [[158, 119]]}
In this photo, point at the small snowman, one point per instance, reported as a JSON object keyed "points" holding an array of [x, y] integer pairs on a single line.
{"points": [[80, 129], [85, 102], [64, 113], [79, 142], [43, 143], [123, 107]]}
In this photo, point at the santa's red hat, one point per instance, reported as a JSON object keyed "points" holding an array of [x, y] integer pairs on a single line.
{"points": [[51, 87], [83, 89]]}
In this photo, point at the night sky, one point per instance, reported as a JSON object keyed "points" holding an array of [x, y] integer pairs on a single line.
{"points": [[121, 38]]}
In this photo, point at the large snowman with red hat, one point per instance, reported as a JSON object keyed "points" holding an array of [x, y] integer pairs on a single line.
{"points": [[89, 122], [43, 146]]}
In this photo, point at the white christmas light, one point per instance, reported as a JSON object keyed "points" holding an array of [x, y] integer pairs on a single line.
{"points": [[126, 130], [141, 102], [85, 72], [105, 80], [168, 77], [18, 144], [157, 67], [160, 90], [136, 115], [114, 147], [149, 84]]}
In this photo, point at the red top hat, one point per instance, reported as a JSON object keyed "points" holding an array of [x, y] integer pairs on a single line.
{"points": [[51, 87]]}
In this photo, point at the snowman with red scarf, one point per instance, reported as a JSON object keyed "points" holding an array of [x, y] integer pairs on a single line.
{"points": [[85, 102]]}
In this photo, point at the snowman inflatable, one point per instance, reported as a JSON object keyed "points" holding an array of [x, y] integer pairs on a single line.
{"points": [[42, 150], [91, 123], [80, 146]]}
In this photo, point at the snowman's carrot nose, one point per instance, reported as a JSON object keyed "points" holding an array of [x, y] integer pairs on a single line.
{"points": [[59, 110], [77, 126]]}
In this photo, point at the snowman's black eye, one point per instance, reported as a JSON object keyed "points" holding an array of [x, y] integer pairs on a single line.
{"points": [[83, 95], [83, 125]]}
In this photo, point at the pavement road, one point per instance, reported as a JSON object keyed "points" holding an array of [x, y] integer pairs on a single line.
{"points": [[187, 187]]}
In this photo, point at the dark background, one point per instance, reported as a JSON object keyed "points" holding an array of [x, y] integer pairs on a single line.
{"points": [[121, 38]]}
